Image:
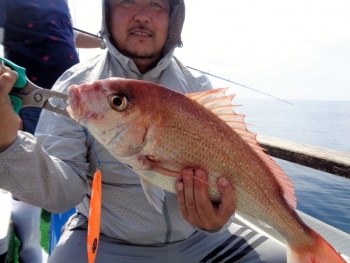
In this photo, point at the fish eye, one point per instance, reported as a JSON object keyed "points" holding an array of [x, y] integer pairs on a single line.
{"points": [[117, 102]]}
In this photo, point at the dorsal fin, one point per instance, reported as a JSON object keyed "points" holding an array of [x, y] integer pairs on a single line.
{"points": [[203, 97], [224, 110], [220, 104]]}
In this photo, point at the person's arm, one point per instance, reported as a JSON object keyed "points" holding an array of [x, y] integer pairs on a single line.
{"points": [[86, 41], [48, 171]]}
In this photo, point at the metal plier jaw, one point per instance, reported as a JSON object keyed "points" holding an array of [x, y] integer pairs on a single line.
{"points": [[27, 94], [34, 96]]}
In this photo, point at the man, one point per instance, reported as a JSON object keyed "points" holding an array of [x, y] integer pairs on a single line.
{"points": [[141, 36]]}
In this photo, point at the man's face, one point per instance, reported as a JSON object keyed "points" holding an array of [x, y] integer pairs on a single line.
{"points": [[139, 28]]}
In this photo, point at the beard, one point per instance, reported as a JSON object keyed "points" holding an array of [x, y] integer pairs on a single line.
{"points": [[137, 55]]}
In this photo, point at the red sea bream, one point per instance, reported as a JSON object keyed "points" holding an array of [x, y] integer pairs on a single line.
{"points": [[160, 132]]}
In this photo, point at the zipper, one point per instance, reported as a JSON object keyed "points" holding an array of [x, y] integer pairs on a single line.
{"points": [[167, 222]]}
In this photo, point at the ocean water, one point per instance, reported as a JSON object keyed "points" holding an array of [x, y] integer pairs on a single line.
{"points": [[319, 123]]}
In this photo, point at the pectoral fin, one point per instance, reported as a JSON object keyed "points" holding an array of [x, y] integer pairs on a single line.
{"points": [[154, 194]]}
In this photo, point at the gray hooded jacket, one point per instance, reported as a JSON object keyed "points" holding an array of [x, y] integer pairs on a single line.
{"points": [[55, 169]]}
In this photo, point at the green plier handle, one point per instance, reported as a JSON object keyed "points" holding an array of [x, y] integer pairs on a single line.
{"points": [[20, 83], [26, 94]]}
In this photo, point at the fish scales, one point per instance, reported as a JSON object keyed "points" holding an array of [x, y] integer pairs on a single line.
{"points": [[220, 158], [160, 132]]}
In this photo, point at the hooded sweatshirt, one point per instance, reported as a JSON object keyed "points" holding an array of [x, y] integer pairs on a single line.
{"points": [[56, 168]]}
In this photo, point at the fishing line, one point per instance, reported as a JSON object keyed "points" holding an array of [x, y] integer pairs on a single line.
{"points": [[241, 85], [207, 73]]}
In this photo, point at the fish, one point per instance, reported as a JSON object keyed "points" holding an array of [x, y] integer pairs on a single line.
{"points": [[160, 132]]}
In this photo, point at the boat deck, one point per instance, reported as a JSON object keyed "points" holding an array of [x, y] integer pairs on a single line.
{"points": [[337, 238]]}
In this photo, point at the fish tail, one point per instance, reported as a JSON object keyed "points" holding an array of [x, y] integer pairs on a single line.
{"points": [[320, 251]]}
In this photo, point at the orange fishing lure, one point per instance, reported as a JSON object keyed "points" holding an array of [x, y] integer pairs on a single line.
{"points": [[94, 217]]}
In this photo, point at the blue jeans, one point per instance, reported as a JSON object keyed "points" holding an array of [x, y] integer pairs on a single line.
{"points": [[30, 117]]}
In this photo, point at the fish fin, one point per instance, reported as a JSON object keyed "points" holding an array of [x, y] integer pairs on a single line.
{"points": [[154, 194], [319, 251], [208, 95], [224, 109], [220, 104]]}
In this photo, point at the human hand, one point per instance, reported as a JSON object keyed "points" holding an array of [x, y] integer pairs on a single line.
{"points": [[195, 205], [9, 121]]}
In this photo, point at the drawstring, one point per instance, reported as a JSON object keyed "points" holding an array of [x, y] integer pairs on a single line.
{"points": [[96, 155], [94, 222]]}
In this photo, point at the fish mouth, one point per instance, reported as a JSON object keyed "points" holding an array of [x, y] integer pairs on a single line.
{"points": [[72, 108], [74, 100]]}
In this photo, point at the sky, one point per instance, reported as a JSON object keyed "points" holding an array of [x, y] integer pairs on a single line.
{"points": [[293, 50]]}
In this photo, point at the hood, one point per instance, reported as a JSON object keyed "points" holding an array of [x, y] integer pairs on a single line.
{"points": [[176, 21]]}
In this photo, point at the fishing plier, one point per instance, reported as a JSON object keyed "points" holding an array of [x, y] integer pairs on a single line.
{"points": [[27, 94]]}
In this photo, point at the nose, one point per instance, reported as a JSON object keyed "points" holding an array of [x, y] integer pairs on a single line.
{"points": [[142, 15]]}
